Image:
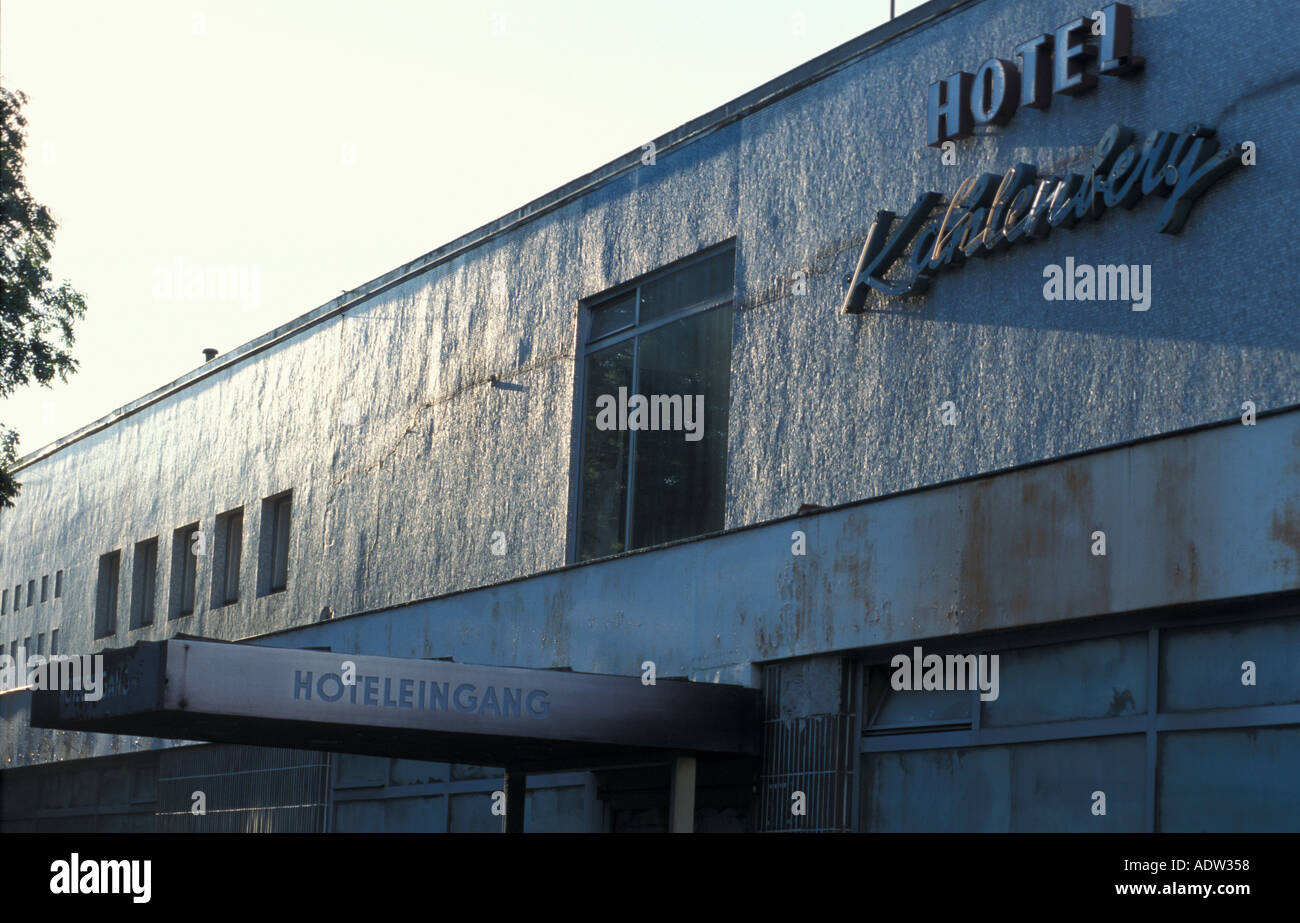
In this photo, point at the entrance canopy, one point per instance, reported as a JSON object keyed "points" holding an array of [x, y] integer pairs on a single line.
{"points": [[434, 710]]}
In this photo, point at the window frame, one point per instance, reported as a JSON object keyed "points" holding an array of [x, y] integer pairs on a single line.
{"points": [[1154, 722], [223, 594], [183, 558], [270, 541], [107, 596], [144, 597], [634, 331]]}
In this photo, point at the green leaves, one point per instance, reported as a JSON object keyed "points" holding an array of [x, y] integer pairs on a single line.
{"points": [[36, 316]]}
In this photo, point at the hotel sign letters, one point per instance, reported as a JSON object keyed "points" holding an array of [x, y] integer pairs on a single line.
{"points": [[422, 709], [989, 212], [1055, 64]]}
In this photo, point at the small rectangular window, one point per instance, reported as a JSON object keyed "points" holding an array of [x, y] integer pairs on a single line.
{"points": [[228, 554], [45, 588], [4, 602], [273, 558], [106, 594], [18, 594], [1073, 681], [40, 643], [891, 711], [144, 583], [280, 546], [1272, 646], [186, 543], [31, 593], [58, 584], [54, 642]]}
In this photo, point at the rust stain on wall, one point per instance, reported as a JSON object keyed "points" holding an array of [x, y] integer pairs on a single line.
{"points": [[975, 557], [1286, 528]]}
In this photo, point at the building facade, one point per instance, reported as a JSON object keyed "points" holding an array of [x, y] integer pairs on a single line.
{"points": [[747, 407]]}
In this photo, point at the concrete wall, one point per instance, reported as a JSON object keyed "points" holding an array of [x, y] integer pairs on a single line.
{"points": [[404, 458], [1213, 514]]}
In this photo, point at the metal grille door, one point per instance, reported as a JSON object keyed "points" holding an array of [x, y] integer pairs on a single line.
{"points": [[245, 790], [810, 754]]}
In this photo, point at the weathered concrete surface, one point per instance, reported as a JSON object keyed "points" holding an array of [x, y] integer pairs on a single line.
{"points": [[999, 551], [825, 408], [1212, 514]]}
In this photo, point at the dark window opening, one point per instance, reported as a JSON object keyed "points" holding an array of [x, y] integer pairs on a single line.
{"points": [[106, 594], [144, 583], [228, 554], [273, 555], [187, 544]]}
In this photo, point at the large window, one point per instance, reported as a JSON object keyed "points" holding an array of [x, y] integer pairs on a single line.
{"points": [[656, 378]]}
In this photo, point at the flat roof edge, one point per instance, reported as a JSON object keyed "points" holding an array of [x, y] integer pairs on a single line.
{"points": [[810, 72]]}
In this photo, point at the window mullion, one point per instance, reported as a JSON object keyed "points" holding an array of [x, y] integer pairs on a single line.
{"points": [[632, 441]]}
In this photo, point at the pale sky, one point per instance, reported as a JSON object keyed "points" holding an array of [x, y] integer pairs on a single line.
{"points": [[282, 151]]}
